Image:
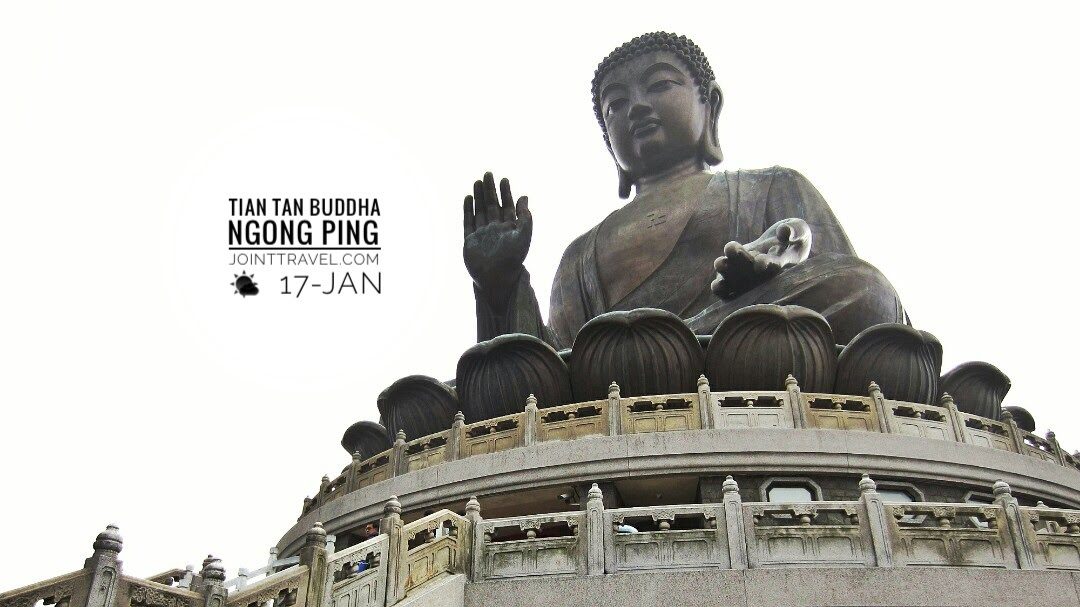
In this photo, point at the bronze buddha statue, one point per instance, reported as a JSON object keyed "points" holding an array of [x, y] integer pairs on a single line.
{"points": [[694, 242]]}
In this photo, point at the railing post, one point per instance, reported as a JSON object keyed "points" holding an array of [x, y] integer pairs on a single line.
{"points": [[242, 578], [107, 567], [1015, 433], [614, 415], [884, 414], [475, 563], [531, 421], [398, 463], [594, 532], [457, 433], [313, 554], [954, 414], [354, 470], [1025, 552], [734, 524], [397, 551], [798, 416], [872, 514], [704, 393], [212, 582], [1052, 439]]}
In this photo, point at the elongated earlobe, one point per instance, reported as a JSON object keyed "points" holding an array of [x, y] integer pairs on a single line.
{"points": [[710, 139], [624, 183]]}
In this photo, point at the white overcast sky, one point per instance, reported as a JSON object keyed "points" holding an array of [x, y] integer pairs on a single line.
{"points": [[135, 388]]}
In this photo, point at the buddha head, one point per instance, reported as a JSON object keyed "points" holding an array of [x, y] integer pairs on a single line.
{"points": [[657, 102]]}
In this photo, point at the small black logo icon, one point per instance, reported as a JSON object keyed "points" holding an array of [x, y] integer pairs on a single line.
{"points": [[244, 285]]}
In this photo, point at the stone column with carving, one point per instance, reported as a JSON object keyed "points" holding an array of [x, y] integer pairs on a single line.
{"points": [[532, 420], [954, 414], [704, 392], [594, 532], [1016, 435], [313, 554], [883, 412], [457, 434], [106, 567], [476, 540], [397, 551], [354, 471], [614, 413], [398, 463], [874, 518], [1017, 527], [1052, 439], [734, 524], [212, 582], [794, 395]]}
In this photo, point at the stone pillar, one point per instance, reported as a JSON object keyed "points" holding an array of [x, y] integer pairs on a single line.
{"points": [[594, 532], [457, 434], [874, 518], [398, 464], [704, 393], [954, 414], [313, 554], [614, 414], [1052, 439], [354, 470], [734, 524], [106, 567], [882, 408], [212, 582], [397, 552], [475, 562], [1025, 551], [1015, 433], [532, 420], [794, 395]]}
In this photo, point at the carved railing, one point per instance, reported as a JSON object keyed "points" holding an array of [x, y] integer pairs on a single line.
{"points": [[966, 535], [68, 590], [134, 592], [667, 537], [356, 576], [574, 421], [529, 546], [408, 558], [436, 545], [286, 588], [814, 534], [703, 410], [752, 410]]}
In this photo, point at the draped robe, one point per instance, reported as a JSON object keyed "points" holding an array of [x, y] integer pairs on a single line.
{"points": [[735, 206]]}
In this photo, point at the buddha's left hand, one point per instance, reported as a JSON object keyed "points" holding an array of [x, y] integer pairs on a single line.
{"points": [[743, 267]]}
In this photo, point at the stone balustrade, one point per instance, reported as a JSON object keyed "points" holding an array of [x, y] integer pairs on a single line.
{"points": [[704, 409], [730, 535]]}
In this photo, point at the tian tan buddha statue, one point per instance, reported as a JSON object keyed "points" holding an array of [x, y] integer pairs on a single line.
{"points": [[697, 243]]}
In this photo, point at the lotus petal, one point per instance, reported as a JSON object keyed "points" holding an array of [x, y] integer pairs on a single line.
{"points": [[1022, 417], [905, 363], [977, 388], [646, 351], [419, 405], [366, 438], [495, 377], [758, 346]]}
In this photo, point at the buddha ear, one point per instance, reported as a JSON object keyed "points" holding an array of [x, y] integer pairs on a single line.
{"points": [[710, 140], [625, 182]]}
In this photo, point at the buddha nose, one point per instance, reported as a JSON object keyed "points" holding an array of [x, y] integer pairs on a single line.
{"points": [[639, 110]]}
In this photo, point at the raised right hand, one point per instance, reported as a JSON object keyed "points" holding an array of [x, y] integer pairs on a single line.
{"points": [[497, 235]]}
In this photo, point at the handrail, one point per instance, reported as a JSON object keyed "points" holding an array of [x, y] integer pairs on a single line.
{"points": [[788, 408]]}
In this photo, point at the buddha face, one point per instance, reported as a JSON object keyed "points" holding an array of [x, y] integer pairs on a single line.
{"points": [[654, 114]]}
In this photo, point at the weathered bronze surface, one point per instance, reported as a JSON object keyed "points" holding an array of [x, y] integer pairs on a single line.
{"points": [[695, 243]]}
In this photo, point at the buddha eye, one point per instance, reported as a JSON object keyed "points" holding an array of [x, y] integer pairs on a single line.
{"points": [[614, 106], [661, 85]]}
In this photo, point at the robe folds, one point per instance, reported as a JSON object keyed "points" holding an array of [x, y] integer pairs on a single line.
{"points": [[735, 206]]}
